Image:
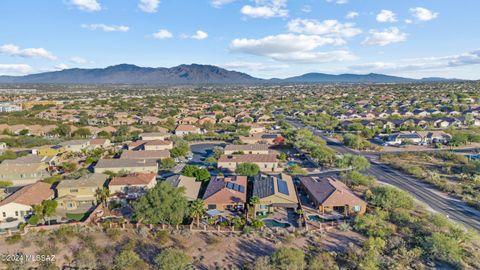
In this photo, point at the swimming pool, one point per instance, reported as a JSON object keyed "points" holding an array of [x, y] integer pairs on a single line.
{"points": [[291, 163], [272, 223], [316, 218]]}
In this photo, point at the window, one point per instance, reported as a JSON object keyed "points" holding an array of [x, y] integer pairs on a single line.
{"points": [[356, 208], [4, 214], [16, 213], [73, 190], [212, 206]]}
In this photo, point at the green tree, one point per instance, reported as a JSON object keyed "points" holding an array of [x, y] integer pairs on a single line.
{"points": [[167, 163], [254, 201], [5, 184], [248, 169], [173, 259], [82, 133], [288, 259], [197, 209], [8, 155], [128, 260], [322, 261], [162, 204], [445, 248], [296, 169], [102, 195], [202, 175], [189, 170], [62, 130]]}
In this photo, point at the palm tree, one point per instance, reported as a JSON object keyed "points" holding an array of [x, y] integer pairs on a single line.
{"points": [[254, 201], [102, 195], [197, 209]]}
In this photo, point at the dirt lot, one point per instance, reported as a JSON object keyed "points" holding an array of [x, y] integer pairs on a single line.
{"points": [[208, 250]]}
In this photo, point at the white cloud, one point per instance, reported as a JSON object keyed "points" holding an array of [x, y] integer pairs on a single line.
{"points": [[220, 3], [106, 28], [423, 14], [15, 69], [14, 50], [79, 60], [464, 59], [306, 9], [266, 9], [291, 48], [162, 34], [338, 2], [60, 66], [386, 16], [199, 35], [87, 5], [331, 28], [352, 14], [385, 37], [149, 6]]}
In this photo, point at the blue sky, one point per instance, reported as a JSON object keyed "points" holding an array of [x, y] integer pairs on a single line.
{"points": [[265, 38]]}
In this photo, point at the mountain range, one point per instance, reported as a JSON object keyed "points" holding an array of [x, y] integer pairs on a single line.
{"points": [[190, 74]]}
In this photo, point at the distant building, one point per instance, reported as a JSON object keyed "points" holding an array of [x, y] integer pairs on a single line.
{"points": [[126, 165], [266, 163], [9, 107], [25, 170], [247, 149]]}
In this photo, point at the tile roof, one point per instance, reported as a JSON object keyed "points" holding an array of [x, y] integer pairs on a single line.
{"points": [[147, 154], [217, 191], [88, 180], [325, 189], [30, 195], [122, 163], [246, 147], [249, 158], [133, 179]]}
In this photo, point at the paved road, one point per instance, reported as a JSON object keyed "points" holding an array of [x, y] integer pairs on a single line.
{"points": [[455, 209]]}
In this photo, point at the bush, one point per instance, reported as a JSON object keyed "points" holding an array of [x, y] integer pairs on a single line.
{"points": [[173, 259], [390, 198], [11, 240], [288, 259]]}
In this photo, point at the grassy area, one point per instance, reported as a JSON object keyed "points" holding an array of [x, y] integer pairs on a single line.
{"points": [[78, 217]]}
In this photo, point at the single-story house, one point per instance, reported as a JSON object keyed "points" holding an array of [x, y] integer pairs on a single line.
{"points": [[182, 130], [266, 163], [226, 193], [247, 149], [19, 204], [331, 195], [126, 165], [151, 154], [274, 191], [132, 185]]}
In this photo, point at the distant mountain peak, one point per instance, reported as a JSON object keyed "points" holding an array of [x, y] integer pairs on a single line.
{"points": [[191, 74]]}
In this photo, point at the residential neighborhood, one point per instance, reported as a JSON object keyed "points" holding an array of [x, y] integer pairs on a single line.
{"points": [[231, 167]]}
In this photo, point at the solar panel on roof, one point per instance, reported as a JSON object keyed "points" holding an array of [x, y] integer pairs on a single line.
{"points": [[230, 185], [242, 189], [282, 186]]}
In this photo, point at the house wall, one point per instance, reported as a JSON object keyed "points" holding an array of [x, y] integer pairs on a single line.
{"points": [[264, 167], [14, 210], [152, 169]]}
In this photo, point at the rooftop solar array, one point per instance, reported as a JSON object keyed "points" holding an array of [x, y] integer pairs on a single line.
{"points": [[235, 187], [282, 186]]}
